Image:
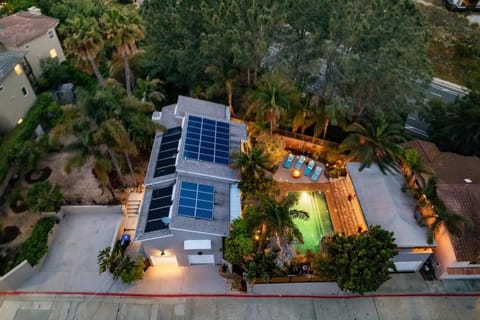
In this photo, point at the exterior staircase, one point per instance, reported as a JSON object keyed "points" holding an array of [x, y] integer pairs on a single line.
{"points": [[132, 209]]}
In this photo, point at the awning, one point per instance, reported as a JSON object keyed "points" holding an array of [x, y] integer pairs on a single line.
{"points": [[235, 202]]}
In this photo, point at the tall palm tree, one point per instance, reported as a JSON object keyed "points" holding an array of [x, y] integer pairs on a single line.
{"points": [[274, 219], [333, 113], [111, 134], [253, 162], [412, 167], [83, 39], [377, 142], [453, 222], [123, 29], [225, 80], [148, 90], [273, 94]]}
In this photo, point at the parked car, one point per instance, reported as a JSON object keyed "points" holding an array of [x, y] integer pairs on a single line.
{"points": [[462, 5]]}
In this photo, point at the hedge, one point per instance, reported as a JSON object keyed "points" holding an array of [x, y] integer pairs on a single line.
{"points": [[15, 138], [35, 247]]}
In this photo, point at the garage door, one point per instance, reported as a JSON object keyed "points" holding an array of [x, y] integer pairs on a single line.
{"points": [[161, 260], [408, 266], [201, 259]]}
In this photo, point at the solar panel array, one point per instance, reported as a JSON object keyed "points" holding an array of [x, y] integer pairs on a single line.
{"points": [[207, 140], [196, 200], [167, 152], [159, 209]]}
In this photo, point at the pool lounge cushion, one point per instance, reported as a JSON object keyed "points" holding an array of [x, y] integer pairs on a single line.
{"points": [[309, 168], [316, 174], [300, 162], [288, 163]]}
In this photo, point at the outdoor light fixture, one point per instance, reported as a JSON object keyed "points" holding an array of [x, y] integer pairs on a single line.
{"points": [[296, 173]]}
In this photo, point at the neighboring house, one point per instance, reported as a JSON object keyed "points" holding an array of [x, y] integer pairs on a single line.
{"points": [[459, 188], [383, 203], [16, 92], [32, 32], [191, 192]]}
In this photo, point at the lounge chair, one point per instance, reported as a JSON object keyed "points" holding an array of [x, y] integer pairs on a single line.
{"points": [[288, 163], [316, 174], [309, 168], [300, 162]]}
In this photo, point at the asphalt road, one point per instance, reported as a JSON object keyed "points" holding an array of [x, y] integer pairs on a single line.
{"points": [[41, 307]]}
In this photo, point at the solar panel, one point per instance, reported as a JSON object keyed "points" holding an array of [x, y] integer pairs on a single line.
{"points": [[167, 152], [207, 140], [196, 200], [159, 209]]}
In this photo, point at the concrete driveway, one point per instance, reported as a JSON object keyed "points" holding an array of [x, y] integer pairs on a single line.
{"points": [[71, 262]]}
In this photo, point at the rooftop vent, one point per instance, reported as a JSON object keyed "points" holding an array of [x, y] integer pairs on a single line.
{"points": [[34, 10]]}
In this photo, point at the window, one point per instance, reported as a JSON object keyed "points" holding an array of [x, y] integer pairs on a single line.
{"points": [[53, 53], [51, 34], [18, 69], [24, 91]]}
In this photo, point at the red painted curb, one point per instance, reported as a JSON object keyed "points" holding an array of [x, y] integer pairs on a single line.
{"points": [[214, 295]]}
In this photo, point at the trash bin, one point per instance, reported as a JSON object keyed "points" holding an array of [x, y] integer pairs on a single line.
{"points": [[125, 241]]}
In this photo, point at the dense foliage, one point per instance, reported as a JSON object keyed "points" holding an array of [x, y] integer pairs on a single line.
{"points": [[373, 63], [43, 196], [456, 127], [361, 262], [239, 242], [35, 247], [14, 141], [119, 264]]}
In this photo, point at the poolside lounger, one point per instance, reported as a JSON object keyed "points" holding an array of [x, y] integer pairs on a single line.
{"points": [[309, 168], [316, 174], [300, 162], [288, 163]]}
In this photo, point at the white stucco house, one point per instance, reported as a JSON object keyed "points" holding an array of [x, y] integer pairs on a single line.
{"points": [[191, 193]]}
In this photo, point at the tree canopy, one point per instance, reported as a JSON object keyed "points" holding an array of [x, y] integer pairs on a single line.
{"points": [[361, 262], [373, 54]]}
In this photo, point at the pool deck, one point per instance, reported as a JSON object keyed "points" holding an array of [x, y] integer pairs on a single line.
{"points": [[346, 215]]}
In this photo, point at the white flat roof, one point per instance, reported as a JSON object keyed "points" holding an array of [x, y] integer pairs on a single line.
{"points": [[383, 203]]}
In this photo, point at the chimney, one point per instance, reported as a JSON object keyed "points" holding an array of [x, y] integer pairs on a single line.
{"points": [[34, 10]]}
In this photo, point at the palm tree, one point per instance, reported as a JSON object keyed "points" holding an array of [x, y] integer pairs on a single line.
{"points": [[453, 222], [274, 219], [412, 167], [83, 38], [333, 113], [253, 162], [224, 83], [375, 142], [112, 135], [123, 29], [273, 94], [148, 90]]}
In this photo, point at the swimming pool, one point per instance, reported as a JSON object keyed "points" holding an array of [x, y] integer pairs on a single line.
{"points": [[317, 225]]}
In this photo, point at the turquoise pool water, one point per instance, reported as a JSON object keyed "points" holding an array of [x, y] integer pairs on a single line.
{"points": [[317, 225]]}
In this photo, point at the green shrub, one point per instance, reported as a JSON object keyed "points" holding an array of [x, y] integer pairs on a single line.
{"points": [[42, 196], [35, 247], [13, 142]]}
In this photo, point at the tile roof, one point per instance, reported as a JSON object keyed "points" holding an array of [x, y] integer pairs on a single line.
{"points": [[8, 60], [22, 27], [448, 167], [464, 199], [427, 151]]}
